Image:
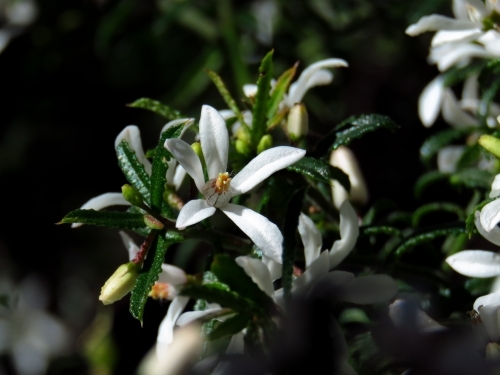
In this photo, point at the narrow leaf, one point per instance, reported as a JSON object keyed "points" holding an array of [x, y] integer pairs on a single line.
{"points": [[426, 180], [487, 97], [320, 171], [290, 240], [433, 207], [279, 90], [219, 83], [259, 121], [160, 167], [470, 157], [379, 208], [391, 231], [436, 142], [148, 276], [456, 75], [472, 178], [111, 219], [156, 107], [133, 170], [229, 327]]}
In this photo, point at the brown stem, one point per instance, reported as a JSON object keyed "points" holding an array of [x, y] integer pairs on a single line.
{"points": [[143, 250]]}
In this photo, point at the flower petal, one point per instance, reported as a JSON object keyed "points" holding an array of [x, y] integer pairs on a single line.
{"points": [[475, 263], [274, 268], [495, 187], [430, 101], [470, 90], [349, 232], [443, 36], [489, 299], [448, 157], [186, 121], [129, 243], [166, 330], [191, 316], [311, 238], [172, 275], [250, 90], [258, 272], [453, 114], [436, 22], [103, 201], [490, 215], [179, 176], [317, 269], [454, 54], [186, 157], [493, 236], [319, 78], [132, 136], [490, 315], [214, 140], [193, 212], [264, 165], [300, 87], [264, 234], [369, 289]]}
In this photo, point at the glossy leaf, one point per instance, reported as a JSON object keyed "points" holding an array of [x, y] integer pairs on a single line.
{"points": [[148, 276], [133, 170], [433, 207], [290, 240], [156, 107], [229, 327], [111, 219], [436, 142], [320, 171], [279, 90], [259, 121], [472, 178], [426, 180], [160, 167], [228, 272]]}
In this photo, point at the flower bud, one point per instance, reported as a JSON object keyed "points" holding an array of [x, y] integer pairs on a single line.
{"points": [[242, 147], [344, 159], [196, 146], [131, 195], [491, 144], [266, 142], [298, 122], [242, 134], [120, 283], [153, 222]]}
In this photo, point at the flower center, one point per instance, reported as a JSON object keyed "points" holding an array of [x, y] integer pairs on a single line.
{"points": [[217, 191], [160, 291]]}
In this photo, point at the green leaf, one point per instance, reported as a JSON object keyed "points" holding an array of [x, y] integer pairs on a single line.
{"points": [[428, 236], [456, 75], [391, 231], [426, 180], [227, 271], [229, 327], [259, 121], [379, 208], [290, 240], [470, 223], [487, 97], [219, 83], [156, 107], [360, 125], [479, 287], [279, 90], [472, 178], [320, 171], [133, 170], [433, 207], [212, 293], [436, 142], [470, 157], [111, 219], [148, 276], [160, 167]]}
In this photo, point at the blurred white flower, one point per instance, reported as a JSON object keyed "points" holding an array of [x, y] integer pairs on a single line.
{"points": [[220, 188], [28, 333], [16, 16], [131, 134]]}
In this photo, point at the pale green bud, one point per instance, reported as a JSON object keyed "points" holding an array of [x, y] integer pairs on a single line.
{"points": [[491, 144], [120, 283], [242, 147], [131, 195], [243, 135], [153, 222], [196, 146], [266, 142], [298, 122]]}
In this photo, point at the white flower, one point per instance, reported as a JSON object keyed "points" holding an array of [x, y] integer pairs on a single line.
{"points": [[488, 309], [345, 159], [131, 134], [27, 332], [220, 187]]}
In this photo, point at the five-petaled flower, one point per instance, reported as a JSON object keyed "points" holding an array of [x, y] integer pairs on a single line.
{"points": [[220, 187]]}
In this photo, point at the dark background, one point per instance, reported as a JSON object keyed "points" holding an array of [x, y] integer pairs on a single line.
{"points": [[66, 81]]}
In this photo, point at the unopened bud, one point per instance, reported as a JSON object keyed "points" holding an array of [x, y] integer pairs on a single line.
{"points": [[344, 159], [243, 134], [242, 147], [131, 195], [266, 142], [491, 144], [298, 122], [196, 146], [171, 197], [153, 222], [120, 283]]}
